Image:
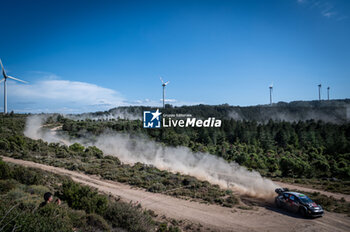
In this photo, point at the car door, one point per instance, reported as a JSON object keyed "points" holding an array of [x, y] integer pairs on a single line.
{"points": [[293, 203]]}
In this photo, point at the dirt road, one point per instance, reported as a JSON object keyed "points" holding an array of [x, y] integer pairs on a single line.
{"points": [[210, 216]]}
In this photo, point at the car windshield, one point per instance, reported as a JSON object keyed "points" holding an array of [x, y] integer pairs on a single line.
{"points": [[305, 200]]}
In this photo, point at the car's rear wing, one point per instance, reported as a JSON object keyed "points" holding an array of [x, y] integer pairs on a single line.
{"points": [[281, 190]]}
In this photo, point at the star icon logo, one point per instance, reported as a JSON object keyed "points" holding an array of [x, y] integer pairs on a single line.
{"points": [[156, 115], [151, 119]]}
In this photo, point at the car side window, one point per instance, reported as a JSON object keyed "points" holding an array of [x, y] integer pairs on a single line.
{"points": [[292, 197]]}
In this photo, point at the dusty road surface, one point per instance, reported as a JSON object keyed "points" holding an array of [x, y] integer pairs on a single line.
{"points": [[210, 216]]}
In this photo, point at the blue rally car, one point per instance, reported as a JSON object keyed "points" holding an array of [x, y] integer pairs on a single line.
{"points": [[298, 203]]}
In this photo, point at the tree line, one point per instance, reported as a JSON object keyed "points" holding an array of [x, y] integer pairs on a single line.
{"points": [[276, 148]]}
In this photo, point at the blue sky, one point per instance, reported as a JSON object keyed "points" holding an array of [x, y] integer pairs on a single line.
{"points": [[93, 55]]}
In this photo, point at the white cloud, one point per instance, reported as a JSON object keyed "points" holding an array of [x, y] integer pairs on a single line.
{"points": [[68, 91], [329, 14], [52, 95], [326, 8], [170, 100], [155, 103]]}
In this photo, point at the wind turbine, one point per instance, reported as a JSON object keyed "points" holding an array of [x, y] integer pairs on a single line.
{"points": [[319, 92], [328, 92], [5, 90], [271, 88], [164, 84]]}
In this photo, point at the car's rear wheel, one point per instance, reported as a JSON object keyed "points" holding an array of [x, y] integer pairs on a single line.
{"points": [[302, 211], [277, 203]]}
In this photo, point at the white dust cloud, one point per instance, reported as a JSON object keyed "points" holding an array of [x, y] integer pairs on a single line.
{"points": [[106, 116], [204, 166]]}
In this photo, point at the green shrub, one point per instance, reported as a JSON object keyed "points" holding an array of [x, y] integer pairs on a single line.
{"points": [[7, 185], [16, 194], [113, 158], [130, 217], [5, 171], [163, 227], [95, 221], [4, 144], [49, 218], [93, 151], [76, 147], [27, 176], [83, 197], [37, 189], [62, 154]]}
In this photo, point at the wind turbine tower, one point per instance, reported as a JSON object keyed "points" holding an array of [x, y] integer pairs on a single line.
{"points": [[164, 84], [319, 92], [271, 88], [5, 85], [328, 92]]}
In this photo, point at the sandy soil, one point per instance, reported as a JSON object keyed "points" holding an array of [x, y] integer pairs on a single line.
{"points": [[261, 218]]}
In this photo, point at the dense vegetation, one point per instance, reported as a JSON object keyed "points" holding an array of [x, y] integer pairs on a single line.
{"points": [[83, 209], [91, 161], [310, 149]]}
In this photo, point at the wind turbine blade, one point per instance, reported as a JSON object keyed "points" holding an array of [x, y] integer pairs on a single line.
{"points": [[2, 80], [1, 65], [2, 68], [16, 79], [166, 83], [161, 79]]}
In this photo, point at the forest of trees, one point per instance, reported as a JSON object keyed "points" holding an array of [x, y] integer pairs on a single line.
{"points": [[333, 111], [275, 148]]}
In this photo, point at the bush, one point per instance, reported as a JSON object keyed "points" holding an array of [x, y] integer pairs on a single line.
{"points": [[5, 171], [27, 176], [113, 158], [83, 197], [163, 227], [48, 218], [37, 189], [4, 145], [62, 154], [7, 185], [94, 151], [130, 217], [26, 216], [76, 147], [94, 221]]}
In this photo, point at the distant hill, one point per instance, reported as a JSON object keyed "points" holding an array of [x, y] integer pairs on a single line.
{"points": [[333, 111]]}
